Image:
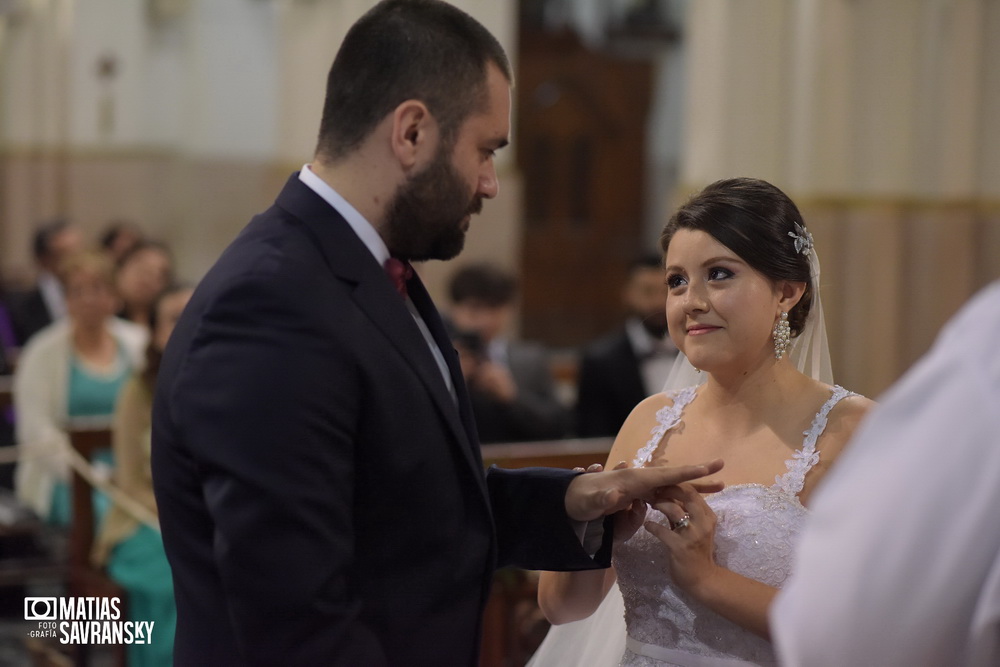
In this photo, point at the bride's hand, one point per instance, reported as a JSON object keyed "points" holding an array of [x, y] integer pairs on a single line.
{"points": [[691, 542]]}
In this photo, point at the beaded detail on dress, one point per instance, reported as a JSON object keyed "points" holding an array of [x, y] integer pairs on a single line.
{"points": [[756, 532]]}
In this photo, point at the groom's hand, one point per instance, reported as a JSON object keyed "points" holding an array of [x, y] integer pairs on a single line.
{"points": [[597, 494]]}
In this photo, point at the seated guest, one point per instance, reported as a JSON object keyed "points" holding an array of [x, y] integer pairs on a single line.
{"points": [[619, 371], [143, 273], [36, 308], [8, 355], [75, 367], [119, 238], [510, 382], [132, 551], [8, 338]]}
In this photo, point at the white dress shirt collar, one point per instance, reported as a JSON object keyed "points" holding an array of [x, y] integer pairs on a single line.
{"points": [[52, 294], [368, 235]]}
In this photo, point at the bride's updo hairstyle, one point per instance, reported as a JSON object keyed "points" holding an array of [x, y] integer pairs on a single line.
{"points": [[756, 221]]}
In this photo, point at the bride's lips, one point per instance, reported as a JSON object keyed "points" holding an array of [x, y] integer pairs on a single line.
{"points": [[700, 329]]}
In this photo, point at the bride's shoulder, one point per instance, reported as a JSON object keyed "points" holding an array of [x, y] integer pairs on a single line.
{"points": [[647, 408], [644, 420], [848, 413], [851, 406]]}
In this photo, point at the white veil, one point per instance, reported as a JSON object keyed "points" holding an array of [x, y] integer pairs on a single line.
{"points": [[599, 639]]}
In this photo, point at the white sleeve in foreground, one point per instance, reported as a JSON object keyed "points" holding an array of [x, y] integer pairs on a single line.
{"points": [[900, 563]]}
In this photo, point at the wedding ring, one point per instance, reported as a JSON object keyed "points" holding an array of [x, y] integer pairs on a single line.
{"points": [[683, 523]]}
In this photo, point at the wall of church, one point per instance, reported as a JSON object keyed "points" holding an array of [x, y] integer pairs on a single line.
{"points": [[185, 116], [878, 117]]}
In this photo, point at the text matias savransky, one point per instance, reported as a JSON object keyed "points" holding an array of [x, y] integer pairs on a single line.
{"points": [[85, 620]]}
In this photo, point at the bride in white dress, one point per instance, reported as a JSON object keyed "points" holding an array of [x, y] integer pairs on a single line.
{"points": [[698, 573]]}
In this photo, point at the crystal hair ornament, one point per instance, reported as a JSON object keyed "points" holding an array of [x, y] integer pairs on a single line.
{"points": [[803, 239]]}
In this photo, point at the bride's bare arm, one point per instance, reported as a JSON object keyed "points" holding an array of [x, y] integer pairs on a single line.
{"points": [[569, 596]]}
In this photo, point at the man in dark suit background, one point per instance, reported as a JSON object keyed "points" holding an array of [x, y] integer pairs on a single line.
{"points": [[621, 369], [34, 309], [315, 463]]}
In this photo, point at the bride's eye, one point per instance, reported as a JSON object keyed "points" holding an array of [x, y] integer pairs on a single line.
{"points": [[674, 280], [719, 273]]}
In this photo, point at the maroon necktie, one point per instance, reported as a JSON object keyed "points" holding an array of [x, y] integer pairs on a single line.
{"points": [[399, 272]]}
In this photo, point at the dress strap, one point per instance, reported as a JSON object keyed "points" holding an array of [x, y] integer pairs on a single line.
{"points": [[667, 417], [805, 458]]}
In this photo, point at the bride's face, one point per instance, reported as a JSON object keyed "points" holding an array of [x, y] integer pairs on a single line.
{"points": [[720, 311]]}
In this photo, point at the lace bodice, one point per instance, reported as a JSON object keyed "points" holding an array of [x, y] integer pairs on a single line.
{"points": [[757, 528]]}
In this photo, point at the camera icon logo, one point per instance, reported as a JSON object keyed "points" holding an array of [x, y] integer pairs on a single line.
{"points": [[40, 609]]}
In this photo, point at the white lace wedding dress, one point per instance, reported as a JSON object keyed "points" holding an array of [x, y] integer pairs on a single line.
{"points": [[756, 533]]}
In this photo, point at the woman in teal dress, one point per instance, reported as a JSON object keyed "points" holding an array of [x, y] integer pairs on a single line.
{"points": [[77, 370], [71, 370]]}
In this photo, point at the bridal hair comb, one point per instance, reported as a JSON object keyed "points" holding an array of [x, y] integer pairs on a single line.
{"points": [[803, 239]]}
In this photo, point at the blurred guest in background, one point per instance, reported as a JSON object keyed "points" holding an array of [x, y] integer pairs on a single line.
{"points": [[8, 337], [8, 355], [510, 382], [34, 309], [119, 237], [617, 372], [75, 367], [132, 550], [143, 273]]}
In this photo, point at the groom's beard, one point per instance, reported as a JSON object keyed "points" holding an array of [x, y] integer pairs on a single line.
{"points": [[425, 219]]}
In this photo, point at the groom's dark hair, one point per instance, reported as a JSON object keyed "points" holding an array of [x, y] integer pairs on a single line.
{"points": [[399, 50]]}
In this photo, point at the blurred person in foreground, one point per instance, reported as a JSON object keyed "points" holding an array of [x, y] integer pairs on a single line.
{"points": [[621, 369], [315, 462], [510, 381], [900, 564]]}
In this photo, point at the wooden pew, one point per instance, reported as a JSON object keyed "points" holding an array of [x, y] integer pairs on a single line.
{"points": [[84, 579], [548, 453], [512, 624], [6, 392]]}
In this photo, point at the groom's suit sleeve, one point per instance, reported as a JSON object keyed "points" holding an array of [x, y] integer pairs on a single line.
{"points": [[533, 530]]}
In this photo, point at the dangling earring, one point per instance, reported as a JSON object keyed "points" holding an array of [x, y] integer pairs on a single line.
{"points": [[782, 333]]}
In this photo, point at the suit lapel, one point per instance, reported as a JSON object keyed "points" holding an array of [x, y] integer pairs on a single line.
{"points": [[349, 259], [380, 302]]}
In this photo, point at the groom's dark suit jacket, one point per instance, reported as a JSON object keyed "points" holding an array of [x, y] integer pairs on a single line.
{"points": [[321, 495]]}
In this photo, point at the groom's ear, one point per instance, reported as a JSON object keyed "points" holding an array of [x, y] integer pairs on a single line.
{"points": [[414, 134]]}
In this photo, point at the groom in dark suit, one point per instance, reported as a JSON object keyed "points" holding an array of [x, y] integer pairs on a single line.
{"points": [[315, 462]]}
